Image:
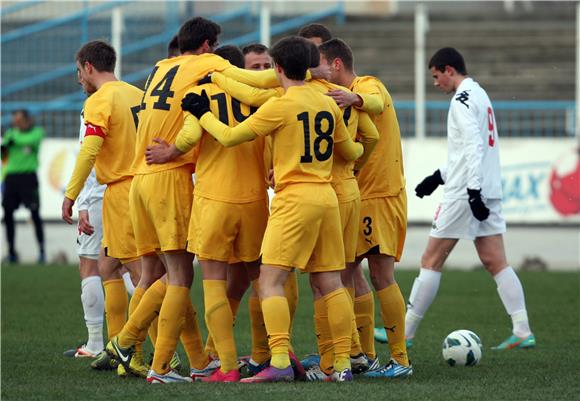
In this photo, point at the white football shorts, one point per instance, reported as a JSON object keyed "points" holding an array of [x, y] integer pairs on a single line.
{"points": [[453, 219], [88, 246]]}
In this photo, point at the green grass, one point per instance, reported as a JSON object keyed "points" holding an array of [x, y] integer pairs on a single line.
{"points": [[42, 316]]}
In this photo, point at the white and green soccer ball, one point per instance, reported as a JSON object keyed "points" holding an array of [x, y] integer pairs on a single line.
{"points": [[462, 348]]}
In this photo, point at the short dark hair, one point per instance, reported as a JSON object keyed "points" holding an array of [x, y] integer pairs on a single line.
{"points": [[257, 48], [448, 56], [231, 53], [195, 31], [173, 47], [315, 31], [314, 55], [24, 112], [337, 48], [292, 53], [99, 53]]}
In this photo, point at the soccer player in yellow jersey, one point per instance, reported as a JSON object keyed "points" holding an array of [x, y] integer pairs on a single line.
{"points": [[110, 115], [346, 188], [383, 214], [161, 195], [304, 228], [229, 214]]}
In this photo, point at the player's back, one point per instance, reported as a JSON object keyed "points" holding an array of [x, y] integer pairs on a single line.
{"points": [[304, 121], [383, 174], [160, 115], [114, 109], [234, 174]]}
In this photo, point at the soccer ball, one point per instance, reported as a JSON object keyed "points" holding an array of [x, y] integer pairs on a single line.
{"points": [[463, 348]]}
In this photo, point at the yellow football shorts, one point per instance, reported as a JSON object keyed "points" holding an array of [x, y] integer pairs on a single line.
{"points": [[383, 225], [118, 234], [349, 218], [304, 229], [225, 231], [160, 209]]}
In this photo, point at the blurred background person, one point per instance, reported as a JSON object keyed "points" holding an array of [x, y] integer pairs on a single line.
{"points": [[20, 146]]}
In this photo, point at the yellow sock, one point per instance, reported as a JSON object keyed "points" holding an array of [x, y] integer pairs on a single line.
{"points": [[209, 344], [340, 323], [364, 309], [393, 314], [323, 336], [153, 331], [140, 320], [116, 305], [191, 338], [355, 347], [219, 320], [171, 319], [260, 348], [135, 299], [277, 320]]}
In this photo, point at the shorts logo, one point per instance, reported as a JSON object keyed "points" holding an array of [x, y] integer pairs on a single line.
{"points": [[437, 211]]}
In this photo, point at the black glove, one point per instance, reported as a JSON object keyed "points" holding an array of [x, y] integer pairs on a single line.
{"points": [[478, 208], [205, 80], [429, 184], [196, 104]]}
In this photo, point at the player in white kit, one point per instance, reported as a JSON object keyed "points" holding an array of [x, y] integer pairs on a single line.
{"points": [[89, 241], [471, 206], [90, 209]]}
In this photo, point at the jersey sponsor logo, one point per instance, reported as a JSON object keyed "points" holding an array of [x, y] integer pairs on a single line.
{"points": [[463, 97]]}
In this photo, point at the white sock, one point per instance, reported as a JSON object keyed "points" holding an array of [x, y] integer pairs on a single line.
{"points": [[93, 300], [511, 293], [128, 283], [423, 293]]}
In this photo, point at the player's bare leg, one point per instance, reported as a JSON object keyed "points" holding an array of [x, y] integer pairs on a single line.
{"points": [[426, 285], [491, 252]]}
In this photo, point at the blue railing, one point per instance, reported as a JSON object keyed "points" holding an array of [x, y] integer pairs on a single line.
{"points": [[533, 118]]}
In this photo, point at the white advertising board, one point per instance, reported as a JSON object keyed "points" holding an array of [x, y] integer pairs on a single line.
{"points": [[541, 178]]}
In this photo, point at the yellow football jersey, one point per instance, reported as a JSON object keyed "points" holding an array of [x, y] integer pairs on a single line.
{"points": [[234, 174], [304, 125], [383, 174], [111, 112], [160, 115]]}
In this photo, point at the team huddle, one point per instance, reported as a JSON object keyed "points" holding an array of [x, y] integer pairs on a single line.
{"points": [[187, 163]]}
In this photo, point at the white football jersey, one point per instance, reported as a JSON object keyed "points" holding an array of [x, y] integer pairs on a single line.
{"points": [[92, 191], [472, 145]]}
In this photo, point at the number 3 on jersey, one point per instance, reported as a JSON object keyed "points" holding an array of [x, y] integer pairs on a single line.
{"points": [[161, 90], [322, 135]]}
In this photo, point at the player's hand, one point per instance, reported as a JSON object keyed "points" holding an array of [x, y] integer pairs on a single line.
{"points": [[271, 180], [84, 223], [205, 80], [345, 99], [160, 153], [478, 208], [67, 205], [429, 184], [321, 72], [196, 104]]}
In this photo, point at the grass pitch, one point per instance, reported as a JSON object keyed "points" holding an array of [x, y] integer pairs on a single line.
{"points": [[42, 317]]}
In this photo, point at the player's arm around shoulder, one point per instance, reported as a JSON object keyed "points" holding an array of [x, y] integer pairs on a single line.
{"points": [[370, 91], [343, 143], [368, 136], [246, 94]]}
